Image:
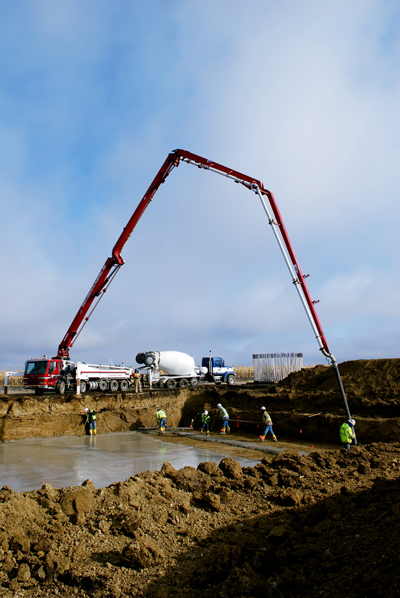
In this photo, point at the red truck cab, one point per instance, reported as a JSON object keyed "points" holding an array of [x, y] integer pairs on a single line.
{"points": [[42, 374]]}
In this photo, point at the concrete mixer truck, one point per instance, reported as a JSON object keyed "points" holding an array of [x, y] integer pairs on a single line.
{"points": [[173, 368]]}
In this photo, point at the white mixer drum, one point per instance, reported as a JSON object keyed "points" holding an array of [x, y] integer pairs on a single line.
{"points": [[175, 363]]}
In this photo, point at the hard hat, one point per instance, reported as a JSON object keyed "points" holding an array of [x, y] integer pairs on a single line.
{"points": [[262, 408], [352, 422], [206, 412], [86, 408], [219, 406]]}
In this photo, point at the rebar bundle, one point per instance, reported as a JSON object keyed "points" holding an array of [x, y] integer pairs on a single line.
{"points": [[272, 367]]}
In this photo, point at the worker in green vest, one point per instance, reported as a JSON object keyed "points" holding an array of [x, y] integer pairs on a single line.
{"points": [[91, 421], [347, 433], [205, 422], [162, 420]]}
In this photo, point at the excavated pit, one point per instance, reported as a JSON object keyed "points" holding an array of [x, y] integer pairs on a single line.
{"points": [[322, 524], [306, 405]]}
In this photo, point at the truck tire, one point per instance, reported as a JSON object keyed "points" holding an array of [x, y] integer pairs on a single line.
{"points": [[60, 387], [103, 385], [171, 383], [114, 385], [124, 385], [84, 386], [149, 360], [193, 382], [230, 379], [183, 383], [39, 391]]}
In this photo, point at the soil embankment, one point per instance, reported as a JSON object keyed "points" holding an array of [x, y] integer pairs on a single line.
{"points": [[323, 524]]}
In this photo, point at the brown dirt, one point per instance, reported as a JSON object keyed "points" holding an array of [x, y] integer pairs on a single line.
{"points": [[326, 524], [291, 526]]}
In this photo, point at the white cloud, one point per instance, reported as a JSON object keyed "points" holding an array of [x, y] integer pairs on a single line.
{"points": [[303, 95]]}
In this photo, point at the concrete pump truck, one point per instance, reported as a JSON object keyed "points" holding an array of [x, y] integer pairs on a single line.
{"points": [[60, 373]]}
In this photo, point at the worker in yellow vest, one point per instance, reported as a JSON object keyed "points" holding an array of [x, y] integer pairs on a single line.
{"points": [[267, 421], [224, 417], [137, 379], [162, 419]]}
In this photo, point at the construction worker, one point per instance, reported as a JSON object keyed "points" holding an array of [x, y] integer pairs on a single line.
{"points": [[162, 418], [91, 419], [137, 379], [224, 416], [267, 421], [205, 422], [347, 433]]}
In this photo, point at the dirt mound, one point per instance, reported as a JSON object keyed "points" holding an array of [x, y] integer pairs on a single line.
{"points": [[370, 378], [291, 526], [372, 388]]}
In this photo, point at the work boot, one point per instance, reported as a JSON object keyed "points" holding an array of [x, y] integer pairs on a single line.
{"points": [[228, 430], [262, 438], [201, 431], [95, 431], [222, 431], [208, 433], [90, 432], [274, 438]]}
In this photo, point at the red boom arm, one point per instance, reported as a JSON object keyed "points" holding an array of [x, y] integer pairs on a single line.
{"points": [[113, 263]]}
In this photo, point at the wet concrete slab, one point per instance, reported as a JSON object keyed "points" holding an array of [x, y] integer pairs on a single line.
{"points": [[70, 460], [271, 449]]}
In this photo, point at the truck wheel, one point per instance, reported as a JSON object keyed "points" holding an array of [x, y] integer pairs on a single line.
{"points": [[171, 383], [114, 385], [230, 379], [124, 385], [194, 382], [60, 387], [103, 385], [39, 391], [84, 387], [149, 360], [183, 383]]}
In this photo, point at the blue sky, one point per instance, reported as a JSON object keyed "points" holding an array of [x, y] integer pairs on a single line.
{"points": [[303, 95]]}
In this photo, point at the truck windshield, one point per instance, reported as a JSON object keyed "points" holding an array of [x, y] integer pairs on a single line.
{"points": [[36, 367]]}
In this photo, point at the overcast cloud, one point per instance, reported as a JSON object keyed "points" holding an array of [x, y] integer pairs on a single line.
{"points": [[303, 95]]}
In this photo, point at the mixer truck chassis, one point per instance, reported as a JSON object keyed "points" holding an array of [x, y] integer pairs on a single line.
{"points": [[173, 368]]}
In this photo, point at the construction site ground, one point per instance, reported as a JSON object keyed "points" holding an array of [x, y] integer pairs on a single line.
{"points": [[312, 520]]}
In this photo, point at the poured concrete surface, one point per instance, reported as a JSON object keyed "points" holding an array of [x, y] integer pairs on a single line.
{"points": [[68, 461]]}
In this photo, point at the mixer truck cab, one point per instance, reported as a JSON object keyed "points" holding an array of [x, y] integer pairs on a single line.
{"points": [[218, 370]]}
